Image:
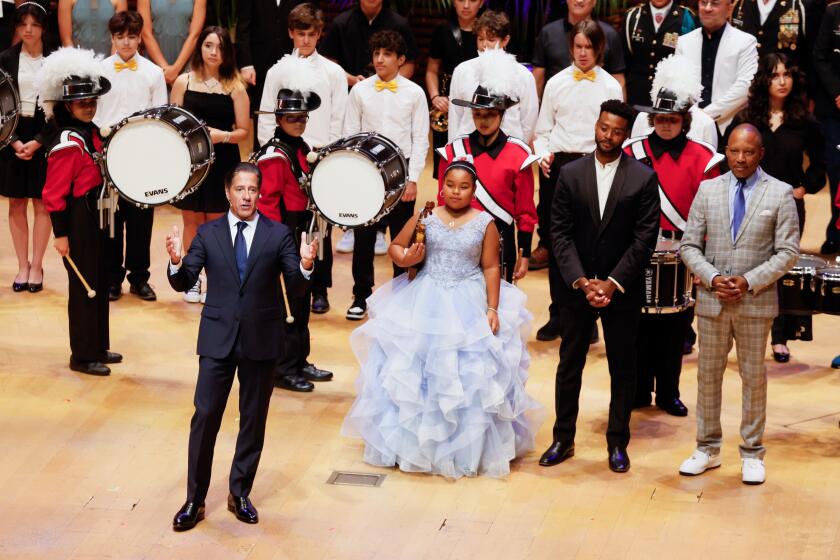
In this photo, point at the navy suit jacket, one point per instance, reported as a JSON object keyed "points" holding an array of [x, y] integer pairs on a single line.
{"points": [[251, 309]]}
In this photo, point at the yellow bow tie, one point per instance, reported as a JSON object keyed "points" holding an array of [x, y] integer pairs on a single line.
{"points": [[130, 65], [578, 75], [390, 86]]}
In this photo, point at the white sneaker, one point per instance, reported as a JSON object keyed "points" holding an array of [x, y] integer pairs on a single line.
{"points": [[193, 295], [698, 463], [345, 244], [752, 471], [381, 247]]}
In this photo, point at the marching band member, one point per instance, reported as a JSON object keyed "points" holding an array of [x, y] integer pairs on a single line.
{"points": [[395, 107], [69, 84], [571, 104], [282, 161], [138, 84], [505, 184], [324, 127], [680, 164]]}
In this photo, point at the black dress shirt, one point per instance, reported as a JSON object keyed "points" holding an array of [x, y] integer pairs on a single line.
{"points": [[707, 57]]}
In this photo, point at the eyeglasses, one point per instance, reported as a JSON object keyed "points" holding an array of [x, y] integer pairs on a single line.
{"points": [[293, 119]]}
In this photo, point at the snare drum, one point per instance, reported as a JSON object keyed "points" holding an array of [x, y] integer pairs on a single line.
{"points": [[827, 290], [9, 108], [158, 156], [357, 180], [668, 283], [797, 295]]}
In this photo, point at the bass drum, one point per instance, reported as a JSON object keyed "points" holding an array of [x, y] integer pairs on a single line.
{"points": [[9, 108], [158, 156], [797, 292], [827, 290], [357, 180]]}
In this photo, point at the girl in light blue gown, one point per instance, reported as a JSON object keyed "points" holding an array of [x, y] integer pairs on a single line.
{"points": [[443, 357]]}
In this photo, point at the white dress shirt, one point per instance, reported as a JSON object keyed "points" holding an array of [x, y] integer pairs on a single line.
{"points": [[519, 120], [131, 90], [604, 174], [702, 129], [764, 9], [663, 11], [28, 69], [402, 116], [247, 233], [326, 122], [570, 109]]}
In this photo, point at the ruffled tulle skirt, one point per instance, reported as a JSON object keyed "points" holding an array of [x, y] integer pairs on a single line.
{"points": [[437, 391]]}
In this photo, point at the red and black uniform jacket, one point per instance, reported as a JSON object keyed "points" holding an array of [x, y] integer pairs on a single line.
{"points": [[505, 186], [282, 161]]}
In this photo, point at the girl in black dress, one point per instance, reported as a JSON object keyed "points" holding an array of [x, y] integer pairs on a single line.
{"points": [[214, 92], [777, 106], [23, 163]]}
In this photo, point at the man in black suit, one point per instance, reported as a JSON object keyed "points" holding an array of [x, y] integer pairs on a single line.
{"points": [[262, 38], [243, 254], [604, 221]]}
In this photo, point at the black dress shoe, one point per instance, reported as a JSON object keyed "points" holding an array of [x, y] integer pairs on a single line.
{"points": [[320, 304], [293, 383], [829, 248], [188, 516], [781, 357], [90, 368], [143, 291], [243, 509], [20, 286], [114, 292], [558, 452], [311, 373], [35, 288], [549, 331], [619, 460], [674, 407], [111, 358]]}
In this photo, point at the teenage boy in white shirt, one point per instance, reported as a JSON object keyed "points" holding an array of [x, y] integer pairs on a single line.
{"points": [[306, 23], [395, 107], [136, 84]]}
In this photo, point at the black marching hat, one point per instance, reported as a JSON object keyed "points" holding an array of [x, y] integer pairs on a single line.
{"points": [[83, 87], [483, 99], [294, 101], [666, 101]]}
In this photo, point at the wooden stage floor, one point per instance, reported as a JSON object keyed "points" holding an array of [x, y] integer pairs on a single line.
{"points": [[96, 467]]}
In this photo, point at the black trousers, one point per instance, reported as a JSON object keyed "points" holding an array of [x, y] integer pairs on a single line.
{"points": [[296, 335], [322, 275], [88, 317], [508, 255], [659, 355], [136, 223], [620, 326], [547, 186], [215, 378], [365, 239]]}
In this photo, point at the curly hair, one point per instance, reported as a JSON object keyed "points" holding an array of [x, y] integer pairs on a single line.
{"points": [[758, 102]]}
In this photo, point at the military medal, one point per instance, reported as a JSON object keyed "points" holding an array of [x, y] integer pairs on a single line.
{"points": [[788, 29], [670, 40]]}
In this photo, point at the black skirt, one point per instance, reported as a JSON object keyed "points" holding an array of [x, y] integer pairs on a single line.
{"points": [[20, 178]]}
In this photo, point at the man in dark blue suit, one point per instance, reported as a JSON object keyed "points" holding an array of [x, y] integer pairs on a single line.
{"points": [[243, 254]]}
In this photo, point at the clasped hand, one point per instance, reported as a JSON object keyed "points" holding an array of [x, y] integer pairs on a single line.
{"points": [[729, 289], [598, 292]]}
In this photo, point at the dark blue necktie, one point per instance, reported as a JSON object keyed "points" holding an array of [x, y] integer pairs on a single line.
{"points": [[739, 208], [240, 249]]}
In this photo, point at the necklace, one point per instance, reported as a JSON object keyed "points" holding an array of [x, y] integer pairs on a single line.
{"points": [[452, 218], [210, 83]]}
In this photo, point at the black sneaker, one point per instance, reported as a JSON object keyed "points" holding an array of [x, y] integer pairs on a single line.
{"points": [[320, 304], [357, 311], [143, 291]]}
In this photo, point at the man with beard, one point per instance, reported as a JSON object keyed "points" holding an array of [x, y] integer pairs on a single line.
{"points": [[604, 222]]}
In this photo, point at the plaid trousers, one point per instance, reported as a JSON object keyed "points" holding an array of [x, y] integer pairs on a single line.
{"points": [[716, 335]]}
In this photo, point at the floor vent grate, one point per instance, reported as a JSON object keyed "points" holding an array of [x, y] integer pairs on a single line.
{"points": [[346, 478]]}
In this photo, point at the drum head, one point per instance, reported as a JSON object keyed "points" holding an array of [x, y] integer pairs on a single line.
{"points": [[347, 188], [148, 161], [808, 263]]}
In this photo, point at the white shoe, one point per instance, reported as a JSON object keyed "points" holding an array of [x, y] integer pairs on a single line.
{"points": [[381, 246], [752, 471], [193, 295], [698, 463], [345, 244]]}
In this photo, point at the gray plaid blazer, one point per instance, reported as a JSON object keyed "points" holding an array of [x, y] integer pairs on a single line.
{"points": [[765, 248]]}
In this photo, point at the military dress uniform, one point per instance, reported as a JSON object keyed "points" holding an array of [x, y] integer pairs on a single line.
{"points": [[645, 46], [782, 32]]}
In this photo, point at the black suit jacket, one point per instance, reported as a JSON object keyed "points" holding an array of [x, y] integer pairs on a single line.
{"points": [[617, 246], [262, 35], [252, 309]]}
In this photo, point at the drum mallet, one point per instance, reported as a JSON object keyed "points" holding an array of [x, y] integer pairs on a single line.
{"points": [[289, 317], [91, 293]]}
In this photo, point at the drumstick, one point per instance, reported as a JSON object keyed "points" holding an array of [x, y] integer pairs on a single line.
{"points": [[90, 292], [289, 317]]}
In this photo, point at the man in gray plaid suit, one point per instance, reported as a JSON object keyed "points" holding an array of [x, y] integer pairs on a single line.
{"points": [[742, 236]]}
